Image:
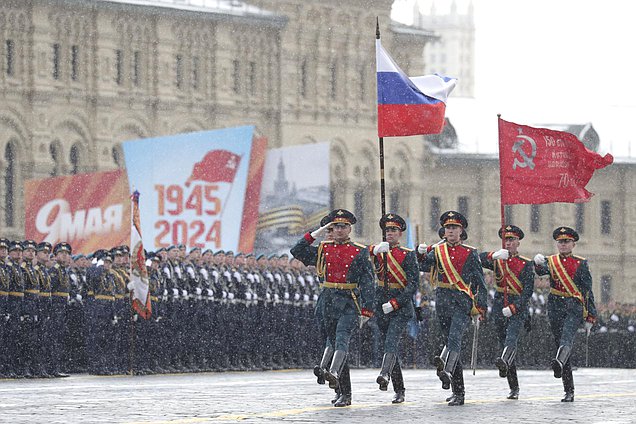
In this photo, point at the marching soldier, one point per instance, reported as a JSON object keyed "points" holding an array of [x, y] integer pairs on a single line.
{"points": [[348, 291], [398, 276], [514, 283], [460, 295], [102, 356], [121, 310], [570, 303]]}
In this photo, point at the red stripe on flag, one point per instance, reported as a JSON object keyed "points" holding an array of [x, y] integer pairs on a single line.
{"points": [[404, 120]]}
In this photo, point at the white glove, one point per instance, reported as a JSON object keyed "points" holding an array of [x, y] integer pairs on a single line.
{"points": [[286, 295], [421, 249], [175, 293], [320, 231], [74, 278], [78, 297], [305, 298], [506, 311], [165, 292], [268, 296], [166, 271], [210, 293], [315, 297], [148, 262], [588, 327], [35, 318], [94, 261], [199, 291], [387, 307], [224, 294], [204, 272], [248, 296], [130, 286], [297, 297], [255, 296], [230, 296], [539, 259], [135, 317], [276, 297], [191, 272], [362, 319], [382, 247], [100, 262], [501, 254], [184, 293]]}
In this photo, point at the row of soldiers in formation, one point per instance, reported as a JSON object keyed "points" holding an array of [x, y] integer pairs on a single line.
{"points": [[209, 311], [360, 282]]}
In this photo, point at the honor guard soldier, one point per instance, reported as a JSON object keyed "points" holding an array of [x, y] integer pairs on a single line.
{"points": [[398, 279], [60, 288], [571, 301], [514, 284], [459, 295], [15, 304], [348, 291]]}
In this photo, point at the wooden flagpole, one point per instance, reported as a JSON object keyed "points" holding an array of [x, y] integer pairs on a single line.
{"points": [[382, 189]]}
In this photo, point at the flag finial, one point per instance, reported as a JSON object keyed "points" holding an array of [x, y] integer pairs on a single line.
{"points": [[377, 28]]}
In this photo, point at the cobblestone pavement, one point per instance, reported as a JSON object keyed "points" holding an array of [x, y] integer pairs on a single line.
{"points": [[602, 396]]}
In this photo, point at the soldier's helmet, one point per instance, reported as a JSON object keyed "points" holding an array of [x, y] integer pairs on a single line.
{"points": [[341, 216], [62, 247], [44, 246], [453, 218], [15, 245], [565, 233], [510, 231], [29, 244], [392, 220]]}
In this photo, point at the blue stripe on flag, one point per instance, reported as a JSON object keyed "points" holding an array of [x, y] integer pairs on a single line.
{"points": [[396, 89]]}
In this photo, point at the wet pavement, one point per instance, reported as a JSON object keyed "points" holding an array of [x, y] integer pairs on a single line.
{"points": [[601, 396]]}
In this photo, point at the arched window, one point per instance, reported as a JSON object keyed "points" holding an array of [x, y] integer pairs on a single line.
{"points": [[118, 157], [56, 155], [75, 159], [9, 180]]}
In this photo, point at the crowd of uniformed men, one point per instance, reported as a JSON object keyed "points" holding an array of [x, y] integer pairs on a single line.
{"points": [[66, 313]]}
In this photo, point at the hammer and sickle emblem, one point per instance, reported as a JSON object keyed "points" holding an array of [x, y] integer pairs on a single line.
{"points": [[517, 148]]}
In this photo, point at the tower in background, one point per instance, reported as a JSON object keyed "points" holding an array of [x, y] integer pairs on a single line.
{"points": [[453, 54]]}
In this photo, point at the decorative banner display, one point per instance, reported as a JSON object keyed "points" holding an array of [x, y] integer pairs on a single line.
{"points": [[294, 196], [198, 189], [89, 211]]}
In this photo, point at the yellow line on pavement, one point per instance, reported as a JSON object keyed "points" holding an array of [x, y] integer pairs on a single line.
{"points": [[298, 411]]}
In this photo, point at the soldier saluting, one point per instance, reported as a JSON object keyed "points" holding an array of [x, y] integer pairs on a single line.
{"points": [[570, 303], [514, 278], [348, 291], [398, 275], [460, 295]]}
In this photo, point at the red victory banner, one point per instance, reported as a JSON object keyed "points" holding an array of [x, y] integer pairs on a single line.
{"points": [[89, 211], [539, 165]]}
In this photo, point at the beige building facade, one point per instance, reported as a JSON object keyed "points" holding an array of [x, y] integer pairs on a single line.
{"points": [[78, 78]]}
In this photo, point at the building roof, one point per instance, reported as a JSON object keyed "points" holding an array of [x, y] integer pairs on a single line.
{"points": [[215, 7]]}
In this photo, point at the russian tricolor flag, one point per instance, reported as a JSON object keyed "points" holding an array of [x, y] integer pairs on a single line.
{"points": [[409, 106]]}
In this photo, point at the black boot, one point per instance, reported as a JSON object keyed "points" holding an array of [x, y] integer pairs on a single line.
{"points": [[568, 383], [513, 383], [333, 375], [385, 373], [345, 388], [336, 397], [506, 359], [319, 370], [458, 386], [447, 373], [440, 360], [398, 383], [562, 356]]}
